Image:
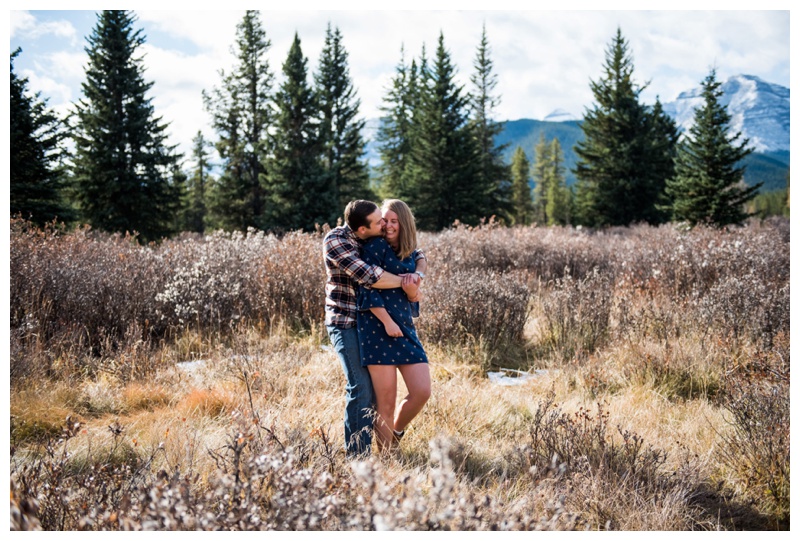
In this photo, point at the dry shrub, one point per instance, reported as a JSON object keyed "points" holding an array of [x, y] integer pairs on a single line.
{"points": [[83, 291], [740, 307], [80, 298], [474, 306], [538, 252], [79, 288], [612, 480], [212, 280], [681, 262], [85, 304], [229, 277], [292, 280], [575, 315], [265, 480], [756, 446]]}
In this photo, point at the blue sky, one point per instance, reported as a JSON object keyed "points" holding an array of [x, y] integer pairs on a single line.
{"points": [[544, 60]]}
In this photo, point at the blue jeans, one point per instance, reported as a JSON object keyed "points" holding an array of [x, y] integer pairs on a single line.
{"points": [[360, 397]]}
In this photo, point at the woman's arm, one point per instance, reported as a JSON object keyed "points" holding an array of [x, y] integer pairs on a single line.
{"points": [[422, 265], [392, 329]]}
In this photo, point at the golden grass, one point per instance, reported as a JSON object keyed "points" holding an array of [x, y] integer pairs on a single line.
{"points": [[37, 413], [271, 385], [299, 383], [144, 396]]}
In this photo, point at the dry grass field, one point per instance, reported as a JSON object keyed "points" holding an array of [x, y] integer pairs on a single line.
{"points": [[190, 385]]}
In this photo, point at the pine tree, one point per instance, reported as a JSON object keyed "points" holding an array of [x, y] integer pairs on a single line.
{"points": [[618, 184], [708, 187], [558, 195], [663, 150], [195, 214], [443, 160], [340, 127], [299, 187], [522, 212], [493, 173], [394, 131], [242, 116], [37, 178], [122, 162], [180, 183], [541, 176], [552, 199], [584, 208]]}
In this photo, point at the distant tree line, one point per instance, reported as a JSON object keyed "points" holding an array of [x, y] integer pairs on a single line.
{"points": [[292, 155]]}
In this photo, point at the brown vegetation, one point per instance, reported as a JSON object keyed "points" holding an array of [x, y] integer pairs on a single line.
{"points": [[189, 384]]}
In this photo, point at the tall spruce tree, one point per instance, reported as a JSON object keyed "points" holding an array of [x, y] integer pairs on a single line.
{"points": [[394, 131], [552, 199], [664, 136], [180, 183], [493, 174], [299, 187], [241, 114], [541, 177], [36, 175], [558, 207], [340, 127], [618, 183], [708, 186], [195, 208], [122, 165], [443, 159], [522, 203]]}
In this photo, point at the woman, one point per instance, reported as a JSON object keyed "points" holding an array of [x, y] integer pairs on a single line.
{"points": [[386, 330]]}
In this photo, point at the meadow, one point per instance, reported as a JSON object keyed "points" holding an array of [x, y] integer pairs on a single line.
{"points": [[190, 384]]}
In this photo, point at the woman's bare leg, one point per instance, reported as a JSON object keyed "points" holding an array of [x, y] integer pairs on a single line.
{"points": [[384, 382], [417, 378]]}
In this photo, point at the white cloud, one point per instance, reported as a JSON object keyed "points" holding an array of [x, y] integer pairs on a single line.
{"points": [[544, 60], [66, 65], [24, 24], [57, 76], [21, 22], [179, 80], [54, 91], [212, 32]]}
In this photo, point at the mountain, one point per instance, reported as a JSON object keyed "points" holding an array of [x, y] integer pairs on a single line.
{"points": [[760, 110], [525, 133]]}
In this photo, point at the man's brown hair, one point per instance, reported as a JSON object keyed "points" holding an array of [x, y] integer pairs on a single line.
{"points": [[357, 212]]}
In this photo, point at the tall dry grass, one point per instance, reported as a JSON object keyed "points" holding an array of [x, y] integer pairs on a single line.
{"points": [[189, 384]]}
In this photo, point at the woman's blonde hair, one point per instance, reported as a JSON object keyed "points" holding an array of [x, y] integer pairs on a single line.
{"points": [[407, 238]]}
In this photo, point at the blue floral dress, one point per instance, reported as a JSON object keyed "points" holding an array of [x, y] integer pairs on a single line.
{"points": [[377, 347]]}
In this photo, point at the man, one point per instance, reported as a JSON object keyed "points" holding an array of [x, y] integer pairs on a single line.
{"points": [[346, 271]]}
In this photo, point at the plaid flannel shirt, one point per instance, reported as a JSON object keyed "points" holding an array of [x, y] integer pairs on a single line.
{"points": [[345, 271]]}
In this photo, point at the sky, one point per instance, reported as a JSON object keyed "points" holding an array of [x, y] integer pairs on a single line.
{"points": [[544, 60]]}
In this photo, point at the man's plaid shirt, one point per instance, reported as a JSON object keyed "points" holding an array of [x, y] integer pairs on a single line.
{"points": [[345, 271]]}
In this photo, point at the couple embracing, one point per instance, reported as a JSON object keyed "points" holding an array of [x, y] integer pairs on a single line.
{"points": [[374, 272]]}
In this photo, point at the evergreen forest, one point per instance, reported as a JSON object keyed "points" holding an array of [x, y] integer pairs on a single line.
{"points": [[287, 148]]}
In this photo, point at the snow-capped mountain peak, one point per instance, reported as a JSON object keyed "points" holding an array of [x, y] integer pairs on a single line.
{"points": [[560, 115], [758, 109]]}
